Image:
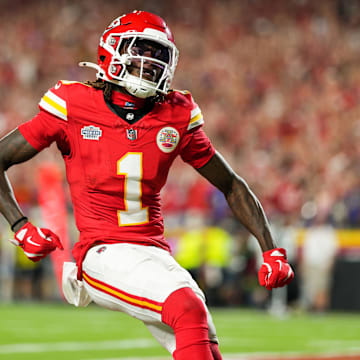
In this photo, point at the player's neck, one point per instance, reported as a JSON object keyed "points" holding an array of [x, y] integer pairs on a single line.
{"points": [[127, 101]]}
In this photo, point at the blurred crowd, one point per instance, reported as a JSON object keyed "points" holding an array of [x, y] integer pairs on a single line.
{"points": [[278, 83]]}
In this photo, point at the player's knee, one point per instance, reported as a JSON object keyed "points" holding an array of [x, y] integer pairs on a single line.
{"points": [[184, 309], [192, 309]]}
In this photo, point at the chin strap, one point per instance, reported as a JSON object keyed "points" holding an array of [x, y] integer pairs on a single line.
{"points": [[134, 86]]}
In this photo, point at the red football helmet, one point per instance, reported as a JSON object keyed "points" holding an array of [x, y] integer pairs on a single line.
{"points": [[137, 51]]}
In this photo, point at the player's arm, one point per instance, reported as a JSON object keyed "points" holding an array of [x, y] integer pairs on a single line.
{"points": [[247, 209], [242, 201], [15, 149]]}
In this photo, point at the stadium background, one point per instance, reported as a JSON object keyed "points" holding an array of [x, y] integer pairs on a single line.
{"points": [[278, 83]]}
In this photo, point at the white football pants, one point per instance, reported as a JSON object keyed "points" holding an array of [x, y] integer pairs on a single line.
{"points": [[136, 280]]}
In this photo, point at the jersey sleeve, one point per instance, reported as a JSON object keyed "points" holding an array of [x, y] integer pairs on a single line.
{"points": [[50, 124], [195, 118], [197, 149], [55, 101], [44, 129]]}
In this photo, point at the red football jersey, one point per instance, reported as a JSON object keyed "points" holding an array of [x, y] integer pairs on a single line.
{"points": [[116, 170]]}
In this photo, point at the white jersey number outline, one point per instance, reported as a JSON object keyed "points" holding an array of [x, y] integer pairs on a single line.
{"points": [[130, 166]]}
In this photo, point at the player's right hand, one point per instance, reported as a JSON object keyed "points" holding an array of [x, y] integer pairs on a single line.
{"points": [[275, 270], [36, 242]]}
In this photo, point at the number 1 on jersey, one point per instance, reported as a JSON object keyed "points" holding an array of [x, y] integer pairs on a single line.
{"points": [[130, 166]]}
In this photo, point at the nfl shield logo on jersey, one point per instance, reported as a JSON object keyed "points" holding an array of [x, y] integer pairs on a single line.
{"points": [[167, 139], [131, 134]]}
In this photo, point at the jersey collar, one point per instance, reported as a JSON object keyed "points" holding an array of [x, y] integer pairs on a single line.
{"points": [[127, 101]]}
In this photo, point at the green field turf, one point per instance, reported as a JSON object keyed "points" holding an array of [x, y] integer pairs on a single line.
{"points": [[59, 331]]}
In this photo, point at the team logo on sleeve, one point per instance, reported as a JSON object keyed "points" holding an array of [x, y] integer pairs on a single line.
{"points": [[167, 139], [91, 132]]}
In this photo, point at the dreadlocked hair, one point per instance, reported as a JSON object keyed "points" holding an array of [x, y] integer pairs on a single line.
{"points": [[105, 86], [108, 88]]}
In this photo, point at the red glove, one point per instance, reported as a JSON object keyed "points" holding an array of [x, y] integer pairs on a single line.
{"points": [[36, 242], [275, 270]]}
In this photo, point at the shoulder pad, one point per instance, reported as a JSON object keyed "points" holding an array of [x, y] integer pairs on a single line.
{"points": [[68, 82], [55, 99], [184, 99], [179, 97]]}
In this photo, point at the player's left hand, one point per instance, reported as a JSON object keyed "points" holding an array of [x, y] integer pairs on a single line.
{"points": [[275, 270], [36, 242]]}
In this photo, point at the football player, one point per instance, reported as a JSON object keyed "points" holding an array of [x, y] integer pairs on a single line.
{"points": [[118, 136]]}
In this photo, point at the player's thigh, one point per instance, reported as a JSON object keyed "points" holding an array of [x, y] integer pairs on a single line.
{"points": [[137, 280], [134, 279]]}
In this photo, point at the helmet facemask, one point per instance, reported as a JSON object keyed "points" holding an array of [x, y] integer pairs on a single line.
{"points": [[137, 51], [143, 64]]}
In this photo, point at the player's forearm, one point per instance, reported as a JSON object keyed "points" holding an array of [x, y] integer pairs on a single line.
{"points": [[248, 210], [14, 149], [8, 205]]}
